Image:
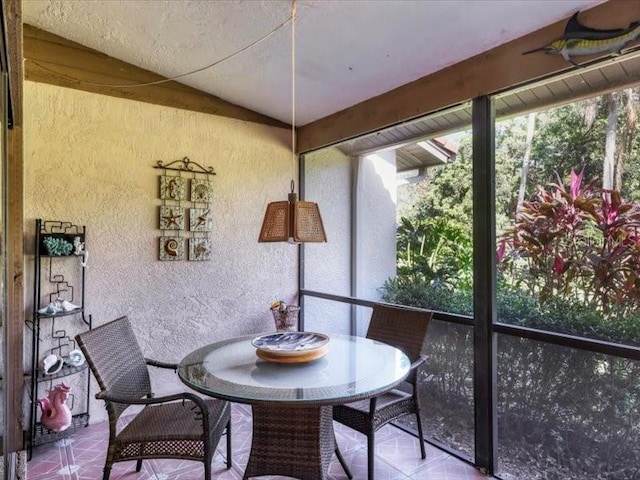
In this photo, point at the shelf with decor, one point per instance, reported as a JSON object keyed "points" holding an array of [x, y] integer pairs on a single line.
{"points": [[64, 372], [58, 315]]}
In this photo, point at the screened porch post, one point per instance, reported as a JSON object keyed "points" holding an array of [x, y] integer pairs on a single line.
{"points": [[484, 281]]}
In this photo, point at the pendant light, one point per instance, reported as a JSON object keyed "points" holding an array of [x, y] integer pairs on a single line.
{"points": [[292, 220]]}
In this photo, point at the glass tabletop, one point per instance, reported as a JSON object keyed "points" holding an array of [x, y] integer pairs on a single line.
{"points": [[353, 368]]}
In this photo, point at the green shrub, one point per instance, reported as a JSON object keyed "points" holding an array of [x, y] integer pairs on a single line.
{"points": [[424, 294], [517, 307]]}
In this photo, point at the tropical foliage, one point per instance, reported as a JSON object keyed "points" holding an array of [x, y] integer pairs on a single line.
{"points": [[568, 261], [436, 252], [577, 243]]}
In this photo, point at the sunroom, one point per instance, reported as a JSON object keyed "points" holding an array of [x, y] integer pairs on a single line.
{"points": [[501, 193]]}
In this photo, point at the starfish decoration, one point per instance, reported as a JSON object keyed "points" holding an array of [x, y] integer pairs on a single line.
{"points": [[172, 219]]}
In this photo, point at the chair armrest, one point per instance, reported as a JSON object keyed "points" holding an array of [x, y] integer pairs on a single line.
{"points": [[412, 377], [107, 396], [414, 366], [156, 363]]}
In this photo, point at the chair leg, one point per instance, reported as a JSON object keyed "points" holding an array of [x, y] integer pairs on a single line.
{"points": [[207, 470], [229, 445], [371, 453], [139, 465], [423, 451], [106, 473], [343, 463]]}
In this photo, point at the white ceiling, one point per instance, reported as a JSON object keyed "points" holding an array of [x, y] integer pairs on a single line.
{"points": [[346, 50]]}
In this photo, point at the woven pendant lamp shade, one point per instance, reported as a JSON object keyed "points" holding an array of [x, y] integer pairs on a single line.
{"points": [[292, 221]]}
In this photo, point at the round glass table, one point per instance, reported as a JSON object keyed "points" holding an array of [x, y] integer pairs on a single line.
{"points": [[291, 402]]}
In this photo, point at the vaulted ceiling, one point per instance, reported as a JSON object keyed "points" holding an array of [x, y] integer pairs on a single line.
{"points": [[346, 51]]}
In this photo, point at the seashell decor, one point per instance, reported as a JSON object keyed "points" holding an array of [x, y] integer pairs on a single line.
{"points": [[185, 221], [171, 248]]}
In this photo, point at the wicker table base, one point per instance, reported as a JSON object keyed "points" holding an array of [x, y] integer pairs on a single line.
{"points": [[293, 441], [292, 403]]}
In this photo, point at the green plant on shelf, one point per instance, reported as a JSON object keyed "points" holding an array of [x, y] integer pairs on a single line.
{"points": [[57, 246]]}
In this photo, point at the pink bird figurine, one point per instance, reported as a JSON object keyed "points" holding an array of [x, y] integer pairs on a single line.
{"points": [[56, 415]]}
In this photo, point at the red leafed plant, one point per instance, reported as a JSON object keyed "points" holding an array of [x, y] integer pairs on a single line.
{"points": [[579, 242]]}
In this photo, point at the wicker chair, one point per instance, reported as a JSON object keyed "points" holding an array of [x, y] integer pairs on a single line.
{"points": [[404, 329], [175, 426]]}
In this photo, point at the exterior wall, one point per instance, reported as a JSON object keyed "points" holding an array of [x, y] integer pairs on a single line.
{"points": [[327, 269], [376, 227], [328, 266], [88, 160]]}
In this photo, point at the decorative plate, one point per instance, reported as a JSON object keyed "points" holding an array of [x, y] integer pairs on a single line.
{"points": [[290, 343]]}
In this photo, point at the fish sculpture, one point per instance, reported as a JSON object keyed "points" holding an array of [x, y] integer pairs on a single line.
{"points": [[579, 39]]}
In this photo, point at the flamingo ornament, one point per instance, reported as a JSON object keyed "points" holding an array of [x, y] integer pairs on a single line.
{"points": [[56, 415]]}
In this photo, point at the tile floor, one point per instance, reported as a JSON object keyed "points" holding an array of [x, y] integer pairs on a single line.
{"points": [[81, 457]]}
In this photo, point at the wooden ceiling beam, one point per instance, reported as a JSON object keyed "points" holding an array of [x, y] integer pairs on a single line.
{"points": [[493, 71], [57, 61]]}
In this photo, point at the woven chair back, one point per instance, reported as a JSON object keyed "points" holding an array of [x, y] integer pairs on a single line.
{"points": [[117, 362], [400, 327]]}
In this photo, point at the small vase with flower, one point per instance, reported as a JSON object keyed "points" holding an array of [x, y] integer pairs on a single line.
{"points": [[285, 316]]}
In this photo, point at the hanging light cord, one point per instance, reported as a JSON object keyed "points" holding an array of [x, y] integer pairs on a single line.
{"points": [[165, 80], [293, 91]]}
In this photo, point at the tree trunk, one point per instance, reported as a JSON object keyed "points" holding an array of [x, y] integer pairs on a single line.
{"points": [[610, 143], [525, 160], [590, 112], [626, 143]]}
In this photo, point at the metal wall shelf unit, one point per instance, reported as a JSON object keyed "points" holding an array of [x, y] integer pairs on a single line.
{"points": [[59, 276]]}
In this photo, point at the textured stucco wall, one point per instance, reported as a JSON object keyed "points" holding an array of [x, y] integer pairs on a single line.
{"points": [[376, 222], [376, 226], [328, 175], [88, 160], [328, 266]]}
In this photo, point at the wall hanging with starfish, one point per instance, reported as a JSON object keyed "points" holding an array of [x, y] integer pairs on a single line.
{"points": [[186, 191]]}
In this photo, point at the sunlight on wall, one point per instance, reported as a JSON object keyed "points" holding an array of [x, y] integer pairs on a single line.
{"points": [[376, 222], [384, 167]]}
